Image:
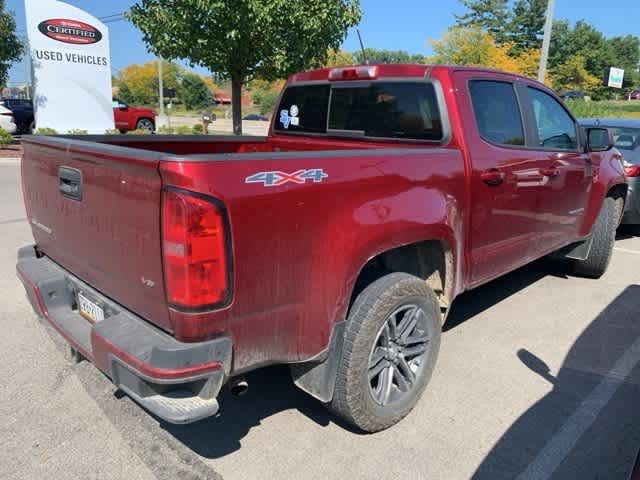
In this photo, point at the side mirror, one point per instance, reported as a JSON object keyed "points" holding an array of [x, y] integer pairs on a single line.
{"points": [[123, 107], [599, 139]]}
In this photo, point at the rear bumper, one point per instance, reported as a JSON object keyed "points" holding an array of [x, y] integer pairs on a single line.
{"points": [[178, 382]]}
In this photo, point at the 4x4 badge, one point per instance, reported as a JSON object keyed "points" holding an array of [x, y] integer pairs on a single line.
{"points": [[275, 179]]}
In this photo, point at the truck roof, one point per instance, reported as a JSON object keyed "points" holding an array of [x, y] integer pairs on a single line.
{"points": [[393, 71]]}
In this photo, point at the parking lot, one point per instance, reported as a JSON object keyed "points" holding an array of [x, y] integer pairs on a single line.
{"points": [[538, 376]]}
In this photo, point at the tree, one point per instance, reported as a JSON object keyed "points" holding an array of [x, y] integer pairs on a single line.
{"points": [[11, 48], [627, 56], [194, 92], [124, 94], [339, 58], [142, 80], [526, 25], [268, 39], [475, 47], [573, 75], [388, 56], [489, 15]]}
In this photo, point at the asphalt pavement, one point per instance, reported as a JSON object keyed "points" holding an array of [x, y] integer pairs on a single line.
{"points": [[538, 377]]}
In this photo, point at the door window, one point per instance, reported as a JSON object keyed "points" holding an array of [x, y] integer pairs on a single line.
{"points": [[497, 112], [556, 129]]}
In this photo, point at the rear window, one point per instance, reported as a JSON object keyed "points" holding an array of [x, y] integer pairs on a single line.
{"points": [[303, 109], [398, 110]]}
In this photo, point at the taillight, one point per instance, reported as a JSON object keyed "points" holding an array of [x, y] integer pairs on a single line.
{"points": [[631, 170], [196, 258], [354, 73]]}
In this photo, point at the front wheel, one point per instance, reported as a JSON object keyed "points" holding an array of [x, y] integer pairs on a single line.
{"points": [[145, 124], [604, 237], [390, 350]]}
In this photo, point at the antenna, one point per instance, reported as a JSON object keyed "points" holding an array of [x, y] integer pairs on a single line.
{"points": [[364, 52]]}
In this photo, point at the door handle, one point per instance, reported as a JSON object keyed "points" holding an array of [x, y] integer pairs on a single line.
{"points": [[70, 183], [492, 177], [550, 172]]}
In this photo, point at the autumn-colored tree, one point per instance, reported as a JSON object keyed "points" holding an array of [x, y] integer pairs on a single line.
{"points": [[339, 58], [142, 80], [573, 75], [476, 47]]}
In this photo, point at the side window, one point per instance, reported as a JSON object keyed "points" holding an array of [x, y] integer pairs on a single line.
{"points": [[497, 112], [556, 129]]}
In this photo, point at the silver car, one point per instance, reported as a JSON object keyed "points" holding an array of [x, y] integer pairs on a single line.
{"points": [[626, 134]]}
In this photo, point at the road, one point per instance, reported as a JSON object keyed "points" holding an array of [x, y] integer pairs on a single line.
{"points": [[538, 375]]}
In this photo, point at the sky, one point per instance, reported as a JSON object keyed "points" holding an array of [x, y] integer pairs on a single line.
{"points": [[398, 25]]}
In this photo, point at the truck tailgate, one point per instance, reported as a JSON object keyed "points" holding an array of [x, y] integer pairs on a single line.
{"points": [[95, 210]]}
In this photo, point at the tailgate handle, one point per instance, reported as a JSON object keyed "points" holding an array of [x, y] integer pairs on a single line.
{"points": [[70, 182]]}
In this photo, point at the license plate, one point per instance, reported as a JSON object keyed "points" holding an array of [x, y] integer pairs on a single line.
{"points": [[89, 309]]}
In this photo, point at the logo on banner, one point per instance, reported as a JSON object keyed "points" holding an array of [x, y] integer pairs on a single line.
{"points": [[70, 31]]}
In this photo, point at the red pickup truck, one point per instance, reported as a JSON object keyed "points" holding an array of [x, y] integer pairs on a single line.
{"points": [[336, 245], [128, 118]]}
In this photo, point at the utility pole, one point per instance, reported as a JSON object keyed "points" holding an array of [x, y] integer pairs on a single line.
{"points": [[163, 121], [161, 87], [546, 42]]}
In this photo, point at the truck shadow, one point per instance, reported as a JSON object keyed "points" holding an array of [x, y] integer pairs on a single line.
{"points": [[272, 391], [473, 303], [588, 425]]}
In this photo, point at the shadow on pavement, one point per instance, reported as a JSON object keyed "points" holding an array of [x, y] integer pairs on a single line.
{"points": [[472, 303], [588, 426], [270, 391]]}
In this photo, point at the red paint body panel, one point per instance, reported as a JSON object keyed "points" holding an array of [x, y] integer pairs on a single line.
{"points": [[127, 119], [299, 248]]}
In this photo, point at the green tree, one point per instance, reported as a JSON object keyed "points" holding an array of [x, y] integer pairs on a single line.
{"points": [[125, 94], [490, 15], [526, 25], [268, 39], [195, 93], [388, 56], [627, 56], [11, 48], [573, 75]]}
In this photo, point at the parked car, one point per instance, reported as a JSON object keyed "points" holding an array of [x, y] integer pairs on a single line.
{"points": [[333, 245], [256, 117], [572, 95], [635, 473], [635, 95], [128, 118], [7, 122], [23, 114], [626, 134]]}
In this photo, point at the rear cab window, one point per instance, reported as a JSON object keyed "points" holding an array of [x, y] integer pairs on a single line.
{"points": [[399, 110], [497, 112]]}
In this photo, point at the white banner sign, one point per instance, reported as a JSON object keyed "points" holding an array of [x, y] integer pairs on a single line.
{"points": [[616, 76], [71, 68]]}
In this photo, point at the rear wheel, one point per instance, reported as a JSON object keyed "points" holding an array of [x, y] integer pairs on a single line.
{"points": [[604, 237], [390, 349], [145, 124]]}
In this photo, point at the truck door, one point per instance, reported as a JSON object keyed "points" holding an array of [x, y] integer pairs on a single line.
{"points": [[504, 180], [565, 170]]}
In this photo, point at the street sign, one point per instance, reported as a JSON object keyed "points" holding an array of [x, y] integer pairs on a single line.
{"points": [[615, 77], [71, 66]]}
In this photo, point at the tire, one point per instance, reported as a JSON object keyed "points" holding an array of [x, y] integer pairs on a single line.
{"points": [[361, 400], [145, 124], [604, 237]]}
